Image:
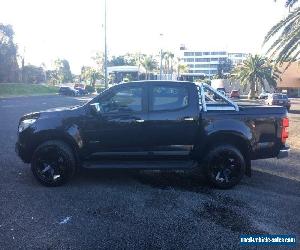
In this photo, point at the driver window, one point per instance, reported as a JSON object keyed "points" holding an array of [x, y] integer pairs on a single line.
{"points": [[124, 100]]}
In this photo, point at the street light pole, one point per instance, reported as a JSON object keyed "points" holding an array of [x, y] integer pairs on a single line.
{"points": [[105, 48]]}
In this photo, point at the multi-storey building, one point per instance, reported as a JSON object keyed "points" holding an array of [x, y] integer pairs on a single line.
{"points": [[206, 63]]}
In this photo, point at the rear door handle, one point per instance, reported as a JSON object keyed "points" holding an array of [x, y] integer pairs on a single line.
{"points": [[140, 121], [188, 118]]}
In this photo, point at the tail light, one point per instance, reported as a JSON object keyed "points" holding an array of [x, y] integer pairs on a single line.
{"points": [[284, 129]]}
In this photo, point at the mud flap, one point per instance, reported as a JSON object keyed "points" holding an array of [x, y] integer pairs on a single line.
{"points": [[248, 168]]}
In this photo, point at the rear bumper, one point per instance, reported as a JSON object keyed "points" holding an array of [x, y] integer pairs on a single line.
{"points": [[283, 153]]}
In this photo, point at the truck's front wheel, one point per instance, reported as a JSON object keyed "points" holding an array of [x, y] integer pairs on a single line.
{"points": [[53, 163], [224, 166]]}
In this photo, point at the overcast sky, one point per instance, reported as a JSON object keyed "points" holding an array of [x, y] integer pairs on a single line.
{"points": [[73, 29]]}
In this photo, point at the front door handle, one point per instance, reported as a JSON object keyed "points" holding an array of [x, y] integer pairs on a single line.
{"points": [[140, 121]]}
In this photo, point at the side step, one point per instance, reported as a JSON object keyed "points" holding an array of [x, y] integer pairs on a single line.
{"points": [[153, 165]]}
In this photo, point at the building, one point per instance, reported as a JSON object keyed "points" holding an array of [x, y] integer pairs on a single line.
{"points": [[206, 63], [120, 73], [290, 79], [237, 58]]}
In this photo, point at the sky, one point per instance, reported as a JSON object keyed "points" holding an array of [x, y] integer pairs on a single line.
{"points": [[73, 29]]}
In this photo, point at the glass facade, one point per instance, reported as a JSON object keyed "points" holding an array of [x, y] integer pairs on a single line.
{"points": [[219, 53], [188, 59], [207, 62], [189, 53], [202, 59]]}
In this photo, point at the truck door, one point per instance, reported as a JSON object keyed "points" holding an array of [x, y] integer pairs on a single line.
{"points": [[172, 120], [118, 130]]}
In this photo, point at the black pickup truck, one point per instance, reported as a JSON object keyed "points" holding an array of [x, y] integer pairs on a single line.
{"points": [[153, 125]]}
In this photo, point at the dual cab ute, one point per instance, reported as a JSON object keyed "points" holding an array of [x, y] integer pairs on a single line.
{"points": [[153, 125]]}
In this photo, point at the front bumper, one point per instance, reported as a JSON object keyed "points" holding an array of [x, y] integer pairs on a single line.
{"points": [[283, 153], [22, 153]]}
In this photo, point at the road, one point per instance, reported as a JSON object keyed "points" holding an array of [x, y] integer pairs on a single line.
{"points": [[137, 210]]}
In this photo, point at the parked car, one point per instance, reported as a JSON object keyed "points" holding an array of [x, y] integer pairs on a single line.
{"points": [[235, 94], [263, 95], [279, 99], [65, 90], [79, 85], [153, 125], [82, 91]]}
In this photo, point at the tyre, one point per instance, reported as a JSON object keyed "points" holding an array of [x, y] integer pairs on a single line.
{"points": [[224, 166], [53, 163]]}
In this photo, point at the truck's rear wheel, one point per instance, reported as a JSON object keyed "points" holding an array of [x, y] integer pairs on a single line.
{"points": [[53, 163], [224, 166]]}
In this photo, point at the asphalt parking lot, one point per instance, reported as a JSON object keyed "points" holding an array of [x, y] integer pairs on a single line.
{"points": [[137, 210]]}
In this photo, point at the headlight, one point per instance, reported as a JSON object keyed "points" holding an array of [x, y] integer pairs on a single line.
{"points": [[25, 124]]}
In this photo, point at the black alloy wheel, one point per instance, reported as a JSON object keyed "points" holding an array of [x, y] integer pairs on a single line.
{"points": [[53, 163], [225, 166]]}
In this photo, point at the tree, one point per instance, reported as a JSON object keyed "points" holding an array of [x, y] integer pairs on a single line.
{"points": [[99, 60], [286, 47], [122, 60], [52, 77], [117, 61], [168, 63], [181, 68], [290, 3], [64, 73], [90, 75], [171, 62], [9, 69], [149, 64], [33, 74], [254, 71], [224, 68], [137, 59]]}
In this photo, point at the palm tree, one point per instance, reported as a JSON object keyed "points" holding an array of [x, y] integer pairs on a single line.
{"points": [[286, 47], [165, 57], [171, 59], [254, 71], [182, 68], [149, 64], [290, 3], [137, 60]]}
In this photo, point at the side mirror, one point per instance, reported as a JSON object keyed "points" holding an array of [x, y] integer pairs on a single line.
{"points": [[96, 108]]}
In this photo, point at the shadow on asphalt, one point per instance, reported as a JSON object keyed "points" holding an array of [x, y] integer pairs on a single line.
{"points": [[218, 208], [177, 180], [172, 180]]}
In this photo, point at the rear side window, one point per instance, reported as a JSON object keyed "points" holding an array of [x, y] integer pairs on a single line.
{"points": [[169, 98]]}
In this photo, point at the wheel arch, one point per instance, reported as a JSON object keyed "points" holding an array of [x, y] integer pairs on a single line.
{"points": [[229, 137], [50, 135]]}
